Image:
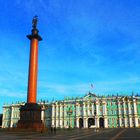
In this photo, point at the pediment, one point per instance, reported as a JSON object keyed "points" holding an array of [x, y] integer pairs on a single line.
{"points": [[90, 96]]}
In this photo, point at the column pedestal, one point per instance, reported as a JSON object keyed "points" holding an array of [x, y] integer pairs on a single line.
{"points": [[30, 117]]}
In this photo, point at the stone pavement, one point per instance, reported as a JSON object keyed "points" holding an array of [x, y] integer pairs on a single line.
{"points": [[74, 134]]}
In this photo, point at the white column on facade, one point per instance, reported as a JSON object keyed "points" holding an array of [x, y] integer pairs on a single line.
{"points": [[129, 108], [53, 124], [120, 121], [124, 111], [61, 123], [43, 113], [92, 109], [84, 109], [77, 122], [79, 112], [88, 109], [124, 107], [119, 113], [56, 123], [125, 114], [97, 114], [135, 113], [53, 110], [119, 109], [104, 108], [61, 111], [105, 122], [12, 115], [56, 110], [130, 114], [130, 122], [97, 108], [85, 123], [135, 107], [3, 118], [61, 115], [65, 114], [105, 114], [65, 123], [76, 108], [76, 115], [57, 115], [53, 115], [97, 122], [125, 122]]}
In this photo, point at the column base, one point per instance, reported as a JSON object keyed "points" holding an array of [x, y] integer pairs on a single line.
{"points": [[30, 117]]}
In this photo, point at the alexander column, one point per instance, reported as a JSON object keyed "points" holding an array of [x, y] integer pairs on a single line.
{"points": [[30, 113]]}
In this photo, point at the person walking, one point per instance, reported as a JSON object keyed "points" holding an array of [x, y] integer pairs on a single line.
{"points": [[54, 130], [51, 129]]}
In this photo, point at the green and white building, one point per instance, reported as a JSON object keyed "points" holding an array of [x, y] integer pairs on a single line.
{"points": [[90, 111], [11, 114]]}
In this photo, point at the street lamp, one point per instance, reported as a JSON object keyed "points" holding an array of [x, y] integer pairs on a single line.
{"points": [[69, 112]]}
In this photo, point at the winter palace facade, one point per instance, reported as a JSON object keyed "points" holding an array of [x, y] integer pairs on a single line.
{"points": [[90, 111]]}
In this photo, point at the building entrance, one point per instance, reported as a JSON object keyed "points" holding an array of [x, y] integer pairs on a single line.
{"points": [[80, 123], [91, 121], [101, 122]]}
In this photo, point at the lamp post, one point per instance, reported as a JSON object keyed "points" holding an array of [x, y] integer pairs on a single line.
{"points": [[69, 112]]}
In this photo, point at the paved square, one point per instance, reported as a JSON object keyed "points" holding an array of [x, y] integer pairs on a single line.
{"points": [[74, 134]]}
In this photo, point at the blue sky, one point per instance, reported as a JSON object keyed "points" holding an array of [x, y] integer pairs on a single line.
{"points": [[84, 42]]}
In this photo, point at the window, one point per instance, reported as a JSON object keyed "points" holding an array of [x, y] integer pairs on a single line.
{"points": [[108, 121], [112, 111]]}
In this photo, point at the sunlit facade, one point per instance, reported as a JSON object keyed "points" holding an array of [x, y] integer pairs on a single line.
{"points": [[86, 112], [93, 111], [11, 114]]}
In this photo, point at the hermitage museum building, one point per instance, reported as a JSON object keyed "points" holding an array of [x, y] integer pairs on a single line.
{"points": [[89, 111]]}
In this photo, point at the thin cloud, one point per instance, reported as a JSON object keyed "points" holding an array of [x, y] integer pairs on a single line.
{"points": [[9, 93], [65, 88]]}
